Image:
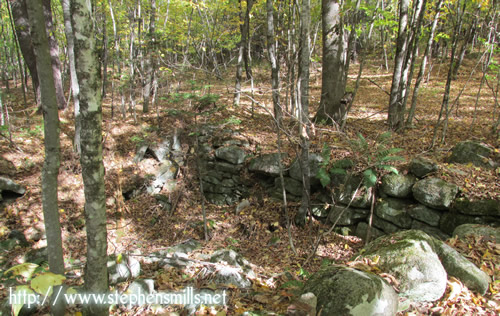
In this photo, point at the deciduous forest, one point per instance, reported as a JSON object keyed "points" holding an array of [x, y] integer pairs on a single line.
{"points": [[249, 157]]}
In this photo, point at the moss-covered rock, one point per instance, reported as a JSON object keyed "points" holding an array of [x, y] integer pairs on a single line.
{"points": [[421, 167], [409, 256], [347, 291], [435, 193], [398, 185]]}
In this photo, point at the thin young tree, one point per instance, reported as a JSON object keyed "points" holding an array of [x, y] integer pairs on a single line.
{"points": [[88, 73], [51, 164], [303, 106]]}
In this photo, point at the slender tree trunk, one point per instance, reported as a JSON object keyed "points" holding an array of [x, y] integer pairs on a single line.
{"points": [[446, 94], [20, 63], [150, 60], [21, 21], [87, 69], [395, 117], [242, 54], [51, 141], [75, 88], [275, 80], [303, 89], [423, 64], [54, 53]]}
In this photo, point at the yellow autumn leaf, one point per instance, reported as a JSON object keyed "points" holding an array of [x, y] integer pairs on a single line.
{"points": [[44, 283], [23, 269]]}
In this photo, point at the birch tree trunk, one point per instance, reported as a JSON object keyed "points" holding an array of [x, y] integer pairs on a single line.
{"points": [[87, 70], [303, 105], [75, 88], [271, 47]]}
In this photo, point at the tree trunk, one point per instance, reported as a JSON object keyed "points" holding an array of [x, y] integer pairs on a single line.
{"points": [[423, 64], [150, 60], [75, 88], [87, 70], [396, 117], [275, 80], [51, 141], [21, 21], [303, 89], [242, 53], [331, 108], [54, 54]]}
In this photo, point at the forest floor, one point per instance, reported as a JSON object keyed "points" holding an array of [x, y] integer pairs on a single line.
{"points": [[138, 225]]}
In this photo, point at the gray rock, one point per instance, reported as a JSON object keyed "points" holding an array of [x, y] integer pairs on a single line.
{"points": [[425, 214], [457, 266], [345, 187], [435, 193], [141, 152], [362, 229], [476, 230], [127, 268], [232, 269], [421, 166], [227, 167], [141, 286], [385, 226], [267, 164], [451, 220], [7, 184], [471, 152], [394, 211], [482, 207], [231, 154], [409, 256], [161, 150], [7, 167], [346, 216], [347, 291], [292, 186], [315, 161], [166, 172], [398, 185], [431, 230]]}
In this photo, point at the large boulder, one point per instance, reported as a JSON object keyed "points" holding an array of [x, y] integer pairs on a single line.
{"points": [[394, 211], [315, 161], [398, 185], [346, 291], [267, 164], [409, 256], [435, 193], [166, 173], [476, 230], [421, 167], [231, 154], [471, 152]]}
